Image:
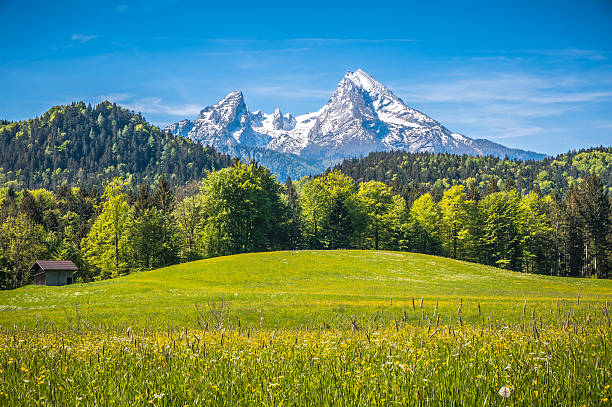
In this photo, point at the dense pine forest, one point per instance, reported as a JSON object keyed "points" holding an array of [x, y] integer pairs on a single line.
{"points": [[81, 145], [412, 175], [243, 208]]}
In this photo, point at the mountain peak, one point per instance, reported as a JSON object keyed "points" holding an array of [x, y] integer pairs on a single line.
{"points": [[227, 107], [277, 120], [363, 80], [235, 96], [361, 116]]}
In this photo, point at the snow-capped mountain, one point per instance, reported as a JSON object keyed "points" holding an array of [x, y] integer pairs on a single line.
{"points": [[361, 116]]}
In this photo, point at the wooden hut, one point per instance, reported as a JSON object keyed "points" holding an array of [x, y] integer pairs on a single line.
{"points": [[49, 272]]}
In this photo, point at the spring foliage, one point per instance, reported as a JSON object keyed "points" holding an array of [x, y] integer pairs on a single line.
{"points": [[243, 209]]}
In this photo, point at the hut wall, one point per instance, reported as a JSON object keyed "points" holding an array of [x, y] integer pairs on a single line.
{"points": [[39, 279], [57, 277]]}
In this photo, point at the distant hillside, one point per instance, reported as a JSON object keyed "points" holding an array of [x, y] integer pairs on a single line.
{"points": [[83, 145], [412, 174]]}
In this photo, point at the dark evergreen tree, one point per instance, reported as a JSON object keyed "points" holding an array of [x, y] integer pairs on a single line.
{"points": [[143, 201], [163, 196], [509, 184], [491, 187], [294, 224], [29, 207], [9, 204], [594, 218], [472, 191], [337, 226]]}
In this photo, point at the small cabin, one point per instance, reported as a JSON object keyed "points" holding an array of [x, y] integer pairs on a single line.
{"points": [[49, 272]]}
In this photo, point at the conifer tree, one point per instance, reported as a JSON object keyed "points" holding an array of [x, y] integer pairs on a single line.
{"points": [[294, 223], [30, 207], [594, 217], [337, 225], [491, 187], [163, 197], [143, 200]]}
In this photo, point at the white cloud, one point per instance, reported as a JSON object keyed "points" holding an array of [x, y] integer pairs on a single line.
{"points": [[513, 132], [150, 104], [554, 55], [114, 97], [571, 53], [155, 105], [252, 51], [505, 87], [83, 38], [353, 40], [605, 125], [508, 105]]}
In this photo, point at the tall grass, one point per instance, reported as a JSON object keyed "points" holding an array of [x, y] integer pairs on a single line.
{"points": [[559, 358], [341, 328]]}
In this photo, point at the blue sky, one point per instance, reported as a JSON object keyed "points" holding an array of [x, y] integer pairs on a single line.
{"points": [[530, 74]]}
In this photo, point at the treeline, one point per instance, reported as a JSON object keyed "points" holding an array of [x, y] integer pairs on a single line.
{"points": [[244, 209], [83, 145], [413, 174]]}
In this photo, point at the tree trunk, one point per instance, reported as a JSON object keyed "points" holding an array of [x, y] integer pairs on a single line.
{"points": [[375, 235]]}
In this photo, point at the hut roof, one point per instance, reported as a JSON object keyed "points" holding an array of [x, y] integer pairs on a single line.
{"points": [[64, 265]]}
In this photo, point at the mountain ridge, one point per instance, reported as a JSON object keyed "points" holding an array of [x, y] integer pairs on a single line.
{"points": [[361, 116]]}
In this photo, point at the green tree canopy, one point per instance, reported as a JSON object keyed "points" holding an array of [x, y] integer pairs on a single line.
{"points": [[106, 246], [242, 210], [21, 244]]}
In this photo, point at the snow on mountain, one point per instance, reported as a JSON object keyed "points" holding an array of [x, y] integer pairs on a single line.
{"points": [[362, 116]]}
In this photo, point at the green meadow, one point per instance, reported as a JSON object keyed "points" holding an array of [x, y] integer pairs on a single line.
{"points": [[302, 289], [310, 328]]}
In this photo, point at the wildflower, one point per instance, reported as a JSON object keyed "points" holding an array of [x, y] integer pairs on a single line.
{"points": [[505, 391], [536, 393]]}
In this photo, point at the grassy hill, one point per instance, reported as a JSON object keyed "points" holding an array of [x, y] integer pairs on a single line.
{"points": [[306, 288]]}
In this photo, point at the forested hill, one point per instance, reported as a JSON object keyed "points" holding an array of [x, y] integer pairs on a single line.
{"points": [[411, 175], [83, 145]]}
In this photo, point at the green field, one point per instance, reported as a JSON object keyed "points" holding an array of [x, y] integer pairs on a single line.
{"points": [[299, 289], [332, 328]]}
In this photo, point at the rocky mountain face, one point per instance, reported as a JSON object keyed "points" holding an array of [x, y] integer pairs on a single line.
{"points": [[361, 116]]}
